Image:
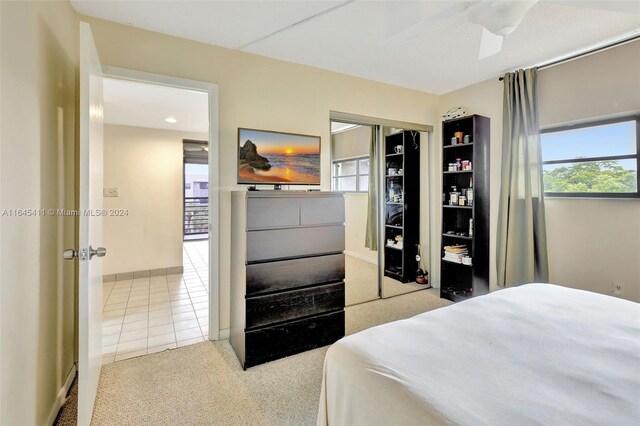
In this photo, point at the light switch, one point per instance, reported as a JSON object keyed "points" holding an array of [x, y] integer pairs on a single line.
{"points": [[110, 192]]}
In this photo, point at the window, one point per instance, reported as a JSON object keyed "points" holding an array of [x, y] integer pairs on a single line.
{"points": [[598, 159], [351, 175]]}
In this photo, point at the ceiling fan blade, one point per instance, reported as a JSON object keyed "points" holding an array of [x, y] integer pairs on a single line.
{"points": [[499, 16], [414, 30], [622, 6], [490, 44]]}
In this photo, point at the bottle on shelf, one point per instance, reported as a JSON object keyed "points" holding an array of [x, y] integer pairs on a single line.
{"points": [[471, 227], [470, 193], [458, 164]]}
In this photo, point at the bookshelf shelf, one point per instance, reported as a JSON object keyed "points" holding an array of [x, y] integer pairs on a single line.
{"points": [[402, 218], [458, 280]]}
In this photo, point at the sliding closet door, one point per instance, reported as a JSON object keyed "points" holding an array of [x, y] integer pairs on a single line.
{"points": [[404, 198], [352, 172]]}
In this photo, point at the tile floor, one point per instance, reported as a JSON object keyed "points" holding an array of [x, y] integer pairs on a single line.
{"points": [[147, 315]]}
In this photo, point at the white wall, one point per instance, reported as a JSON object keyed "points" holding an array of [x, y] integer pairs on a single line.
{"points": [[585, 236], [146, 167], [258, 92], [39, 44]]}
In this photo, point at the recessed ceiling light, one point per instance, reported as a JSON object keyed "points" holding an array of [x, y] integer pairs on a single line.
{"points": [[171, 120]]}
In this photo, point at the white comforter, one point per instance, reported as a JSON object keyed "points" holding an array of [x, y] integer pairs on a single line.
{"points": [[536, 354]]}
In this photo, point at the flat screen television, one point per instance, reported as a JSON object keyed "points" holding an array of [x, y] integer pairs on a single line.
{"points": [[276, 158]]}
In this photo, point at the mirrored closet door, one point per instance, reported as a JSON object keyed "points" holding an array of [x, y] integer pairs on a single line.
{"points": [[382, 171], [351, 160]]}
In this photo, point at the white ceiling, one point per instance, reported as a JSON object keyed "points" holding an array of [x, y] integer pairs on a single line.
{"points": [[357, 37], [129, 103]]}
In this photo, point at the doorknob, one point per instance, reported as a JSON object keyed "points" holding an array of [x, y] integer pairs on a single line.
{"points": [[71, 254], [100, 252]]}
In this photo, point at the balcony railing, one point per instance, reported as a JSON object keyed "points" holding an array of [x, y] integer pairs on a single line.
{"points": [[196, 217]]}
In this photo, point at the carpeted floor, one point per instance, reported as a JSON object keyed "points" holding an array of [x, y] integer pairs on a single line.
{"points": [[361, 282], [204, 383]]}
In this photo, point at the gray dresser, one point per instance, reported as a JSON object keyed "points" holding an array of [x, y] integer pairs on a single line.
{"points": [[287, 273]]}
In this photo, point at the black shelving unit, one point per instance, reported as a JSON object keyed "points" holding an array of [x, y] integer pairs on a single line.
{"points": [[460, 281], [402, 205]]}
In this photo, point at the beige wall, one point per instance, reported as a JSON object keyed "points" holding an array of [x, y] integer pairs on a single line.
{"points": [[258, 92], [585, 236], [39, 43], [355, 222], [146, 167], [349, 144]]}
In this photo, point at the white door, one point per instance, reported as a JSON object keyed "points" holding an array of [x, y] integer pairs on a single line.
{"points": [[90, 232]]}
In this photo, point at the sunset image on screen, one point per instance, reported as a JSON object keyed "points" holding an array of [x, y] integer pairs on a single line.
{"points": [[272, 157]]}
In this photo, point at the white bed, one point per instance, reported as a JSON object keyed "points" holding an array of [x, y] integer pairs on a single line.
{"points": [[535, 354]]}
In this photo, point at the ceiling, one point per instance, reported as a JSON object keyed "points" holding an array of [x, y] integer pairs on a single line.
{"points": [[130, 103], [361, 37]]}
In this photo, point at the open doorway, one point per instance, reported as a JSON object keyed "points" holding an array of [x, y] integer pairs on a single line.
{"points": [[156, 285]]}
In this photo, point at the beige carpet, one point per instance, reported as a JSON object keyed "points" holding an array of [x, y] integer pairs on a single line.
{"points": [[204, 384], [361, 282]]}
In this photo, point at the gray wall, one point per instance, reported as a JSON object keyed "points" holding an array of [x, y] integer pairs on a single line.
{"points": [[351, 143]]}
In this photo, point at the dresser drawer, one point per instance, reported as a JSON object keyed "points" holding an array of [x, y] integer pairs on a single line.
{"points": [[289, 305], [272, 213], [321, 210], [295, 242], [290, 274], [282, 340]]}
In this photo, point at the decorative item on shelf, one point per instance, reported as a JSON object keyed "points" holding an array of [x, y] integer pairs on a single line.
{"points": [[454, 141], [466, 139], [466, 165], [470, 193], [455, 112], [462, 200], [392, 171], [398, 149], [459, 136], [422, 276], [458, 164], [471, 227]]}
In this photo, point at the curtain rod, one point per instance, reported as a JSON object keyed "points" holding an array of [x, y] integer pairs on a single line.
{"points": [[635, 35]]}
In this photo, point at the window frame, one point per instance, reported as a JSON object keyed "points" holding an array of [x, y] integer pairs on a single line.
{"points": [[357, 175], [595, 123]]}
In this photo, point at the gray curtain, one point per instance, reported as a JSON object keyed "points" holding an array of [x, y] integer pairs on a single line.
{"points": [[522, 239], [371, 236]]}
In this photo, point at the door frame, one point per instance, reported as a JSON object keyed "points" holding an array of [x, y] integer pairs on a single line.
{"points": [[214, 174]]}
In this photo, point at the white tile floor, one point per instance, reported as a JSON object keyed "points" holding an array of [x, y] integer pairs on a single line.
{"points": [[148, 315]]}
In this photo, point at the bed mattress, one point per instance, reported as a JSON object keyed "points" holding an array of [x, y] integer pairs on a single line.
{"points": [[535, 354]]}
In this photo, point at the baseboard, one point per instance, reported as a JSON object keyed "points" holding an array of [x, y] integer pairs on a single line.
{"points": [[122, 276], [62, 396], [361, 257], [224, 333]]}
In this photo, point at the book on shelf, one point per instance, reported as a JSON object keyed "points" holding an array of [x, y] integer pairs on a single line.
{"points": [[455, 253]]}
